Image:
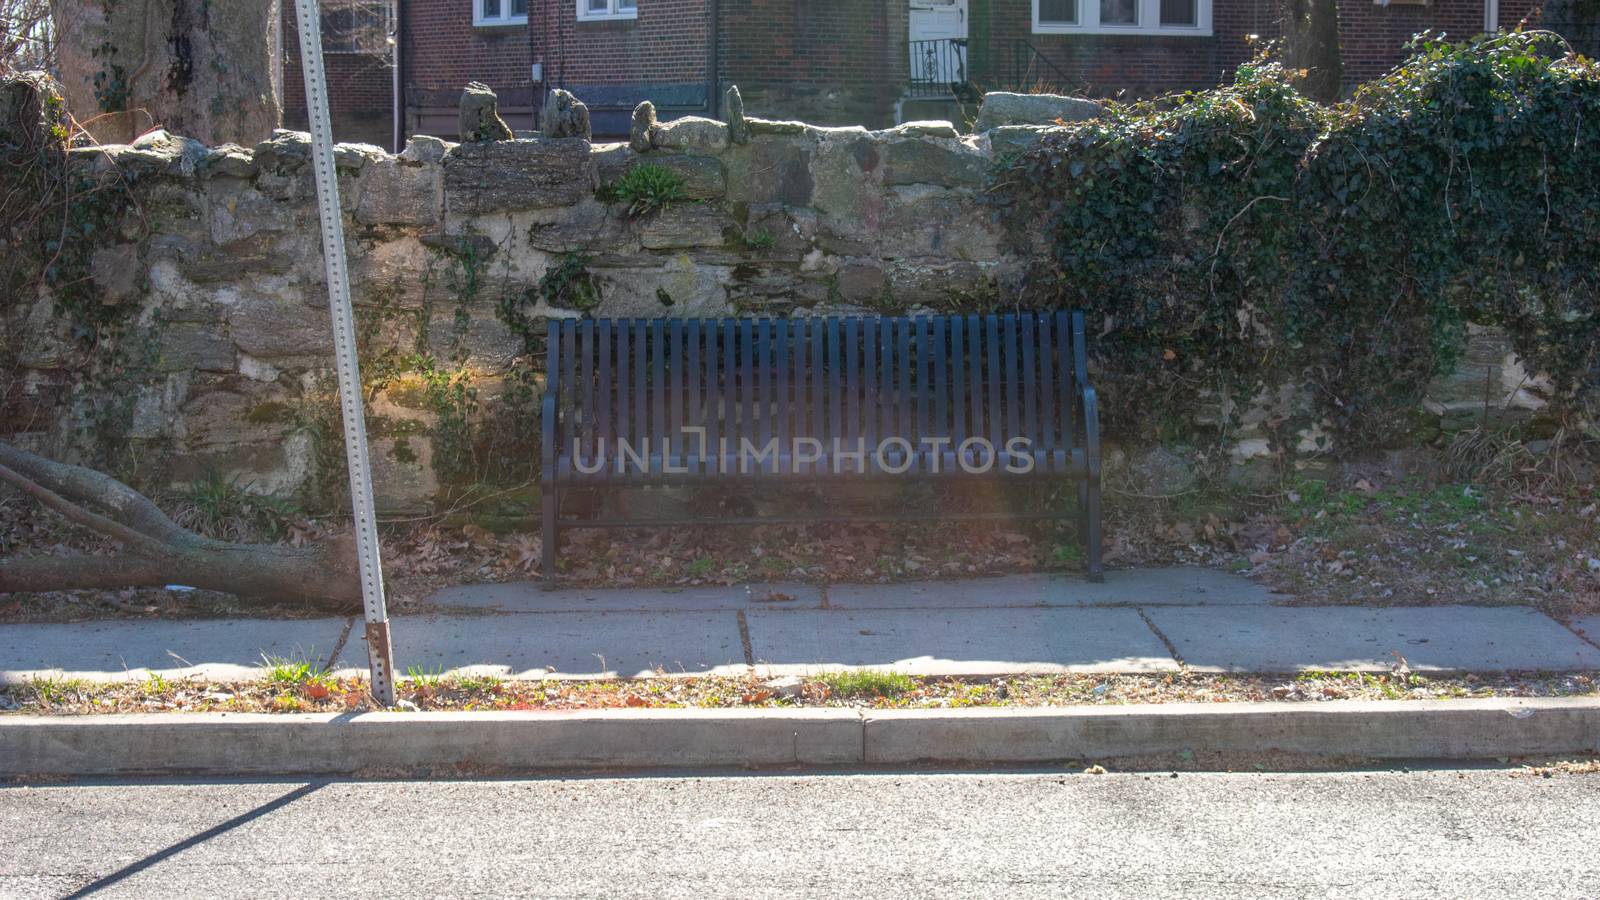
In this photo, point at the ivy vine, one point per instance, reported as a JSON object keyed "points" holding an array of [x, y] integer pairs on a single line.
{"points": [[1231, 243]]}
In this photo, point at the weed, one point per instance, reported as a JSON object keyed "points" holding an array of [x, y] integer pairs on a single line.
{"points": [[222, 508], [761, 240], [480, 684], [54, 690], [649, 188], [702, 567], [425, 678], [867, 683], [1067, 554], [156, 684], [287, 672]]}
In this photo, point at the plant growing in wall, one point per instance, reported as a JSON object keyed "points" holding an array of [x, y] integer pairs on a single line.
{"points": [[649, 188]]}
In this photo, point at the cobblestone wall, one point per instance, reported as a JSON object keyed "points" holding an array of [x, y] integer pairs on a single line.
{"points": [[223, 363]]}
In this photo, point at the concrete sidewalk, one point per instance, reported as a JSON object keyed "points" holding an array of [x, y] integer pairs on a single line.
{"points": [[1137, 621]]}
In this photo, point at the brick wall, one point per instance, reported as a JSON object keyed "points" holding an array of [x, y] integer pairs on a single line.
{"points": [[835, 62], [1373, 39], [611, 65], [359, 91], [666, 44], [1134, 65], [442, 52]]}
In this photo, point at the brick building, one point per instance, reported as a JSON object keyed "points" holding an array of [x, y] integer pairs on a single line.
{"points": [[867, 62]]}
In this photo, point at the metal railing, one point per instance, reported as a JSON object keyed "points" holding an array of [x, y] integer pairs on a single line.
{"points": [[1032, 70], [938, 68]]}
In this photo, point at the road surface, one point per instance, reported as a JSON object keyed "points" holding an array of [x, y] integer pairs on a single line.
{"points": [[1478, 833]]}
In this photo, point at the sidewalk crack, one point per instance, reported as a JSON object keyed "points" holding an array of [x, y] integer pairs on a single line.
{"points": [[1165, 641], [1581, 635], [744, 638]]}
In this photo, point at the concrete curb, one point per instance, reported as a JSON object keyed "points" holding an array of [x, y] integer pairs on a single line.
{"points": [[350, 743]]}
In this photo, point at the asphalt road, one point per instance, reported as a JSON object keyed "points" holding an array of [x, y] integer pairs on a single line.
{"points": [[1379, 834]]}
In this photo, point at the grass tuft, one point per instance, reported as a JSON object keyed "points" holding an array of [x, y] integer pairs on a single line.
{"points": [[285, 672], [868, 683]]}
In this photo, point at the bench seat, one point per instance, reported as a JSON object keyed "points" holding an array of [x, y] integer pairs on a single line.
{"points": [[651, 402]]}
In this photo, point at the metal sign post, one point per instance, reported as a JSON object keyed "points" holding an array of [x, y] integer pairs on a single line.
{"points": [[380, 653]]}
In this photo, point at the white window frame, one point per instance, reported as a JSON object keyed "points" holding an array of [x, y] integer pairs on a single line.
{"points": [[1149, 19], [614, 11], [505, 18]]}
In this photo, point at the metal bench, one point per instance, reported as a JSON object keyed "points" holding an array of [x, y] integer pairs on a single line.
{"points": [[642, 402]]}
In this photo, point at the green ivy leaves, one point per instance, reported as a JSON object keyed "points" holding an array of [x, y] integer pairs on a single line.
{"points": [[1246, 241]]}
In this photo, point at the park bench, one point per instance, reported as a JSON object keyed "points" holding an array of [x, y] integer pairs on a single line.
{"points": [[651, 402]]}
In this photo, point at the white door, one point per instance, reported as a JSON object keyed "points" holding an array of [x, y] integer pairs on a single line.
{"points": [[934, 24]]}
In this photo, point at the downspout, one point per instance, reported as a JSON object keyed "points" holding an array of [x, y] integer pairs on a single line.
{"points": [[397, 86], [1491, 16], [713, 43]]}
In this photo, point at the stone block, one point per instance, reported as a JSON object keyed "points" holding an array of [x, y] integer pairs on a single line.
{"points": [[679, 288], [1012, 139], [691, 134], [774, 290], [861, 283], [242, 212], [792, 230], [189, 346], [277, 468], [425, 148], [702, 176], [928, 128], [771, 170], [228, 161], [117, 273], [498, 176], [396, 193], [684, 225], [478, 115], [923, 220], [403, 480], [275, 325], [229, 418], [1002, 108], [946, 164], [583, 227], [491, 346], [848, 194]]}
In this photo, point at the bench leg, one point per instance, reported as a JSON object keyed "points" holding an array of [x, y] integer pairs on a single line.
{"points": [[552, 534], [1089, 526]]}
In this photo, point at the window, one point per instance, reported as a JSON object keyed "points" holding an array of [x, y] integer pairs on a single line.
{"points": [[499, 12], [592, 10], [357, 26], [1175, 17]]}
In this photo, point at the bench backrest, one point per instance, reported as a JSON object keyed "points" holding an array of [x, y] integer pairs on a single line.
{"points": [[851, 378]]}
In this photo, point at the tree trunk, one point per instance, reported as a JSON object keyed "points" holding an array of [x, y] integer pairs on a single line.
{"points": [[1311, 46], [198, 68], [158, 550]]}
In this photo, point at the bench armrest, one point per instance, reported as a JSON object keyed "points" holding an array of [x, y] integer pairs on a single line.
{"points": [[1089, 415], [549, 412]]}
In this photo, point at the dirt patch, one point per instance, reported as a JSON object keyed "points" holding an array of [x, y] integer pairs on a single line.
{"points": [[289, 687], [1488, 533]]}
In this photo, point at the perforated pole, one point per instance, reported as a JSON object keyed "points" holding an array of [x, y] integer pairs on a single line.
{"points": [[380, 652]]}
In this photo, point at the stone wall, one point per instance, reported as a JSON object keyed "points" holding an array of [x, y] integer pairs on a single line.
{"points": [[220, 363]]}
